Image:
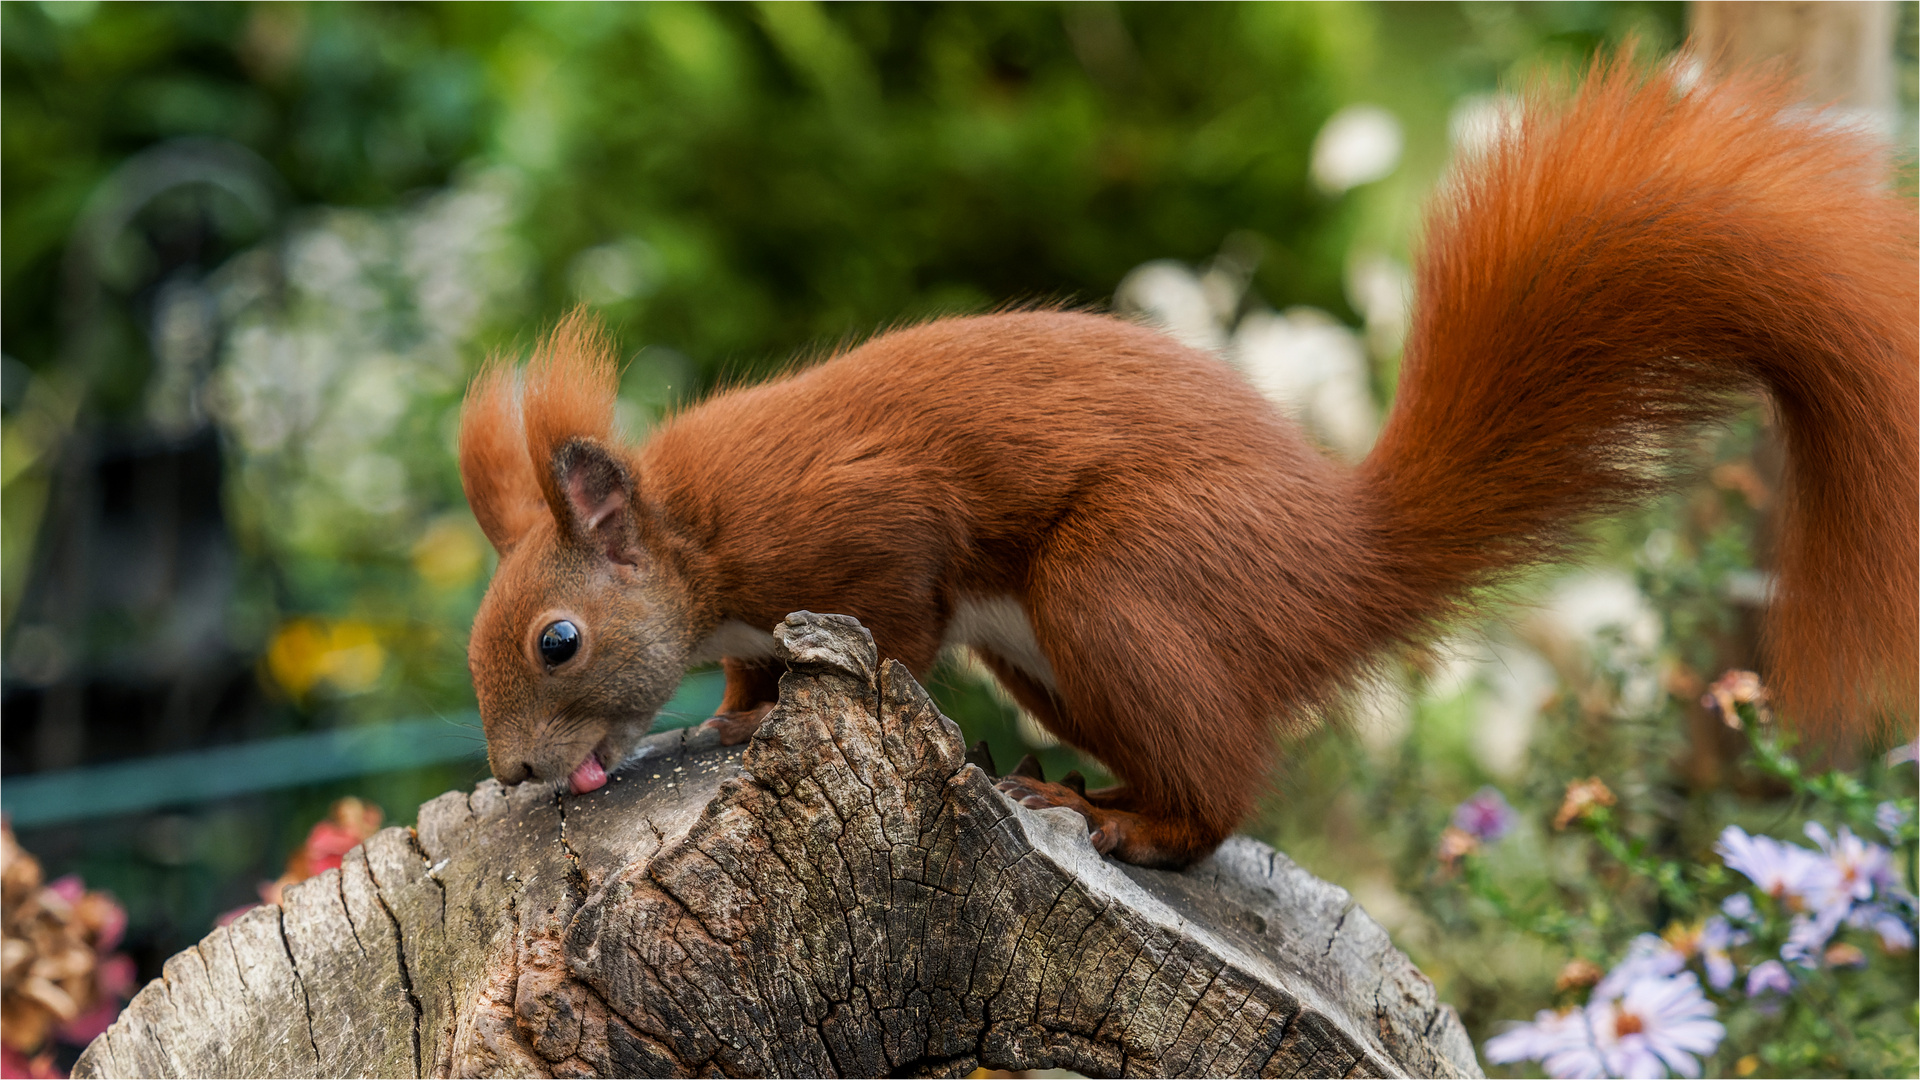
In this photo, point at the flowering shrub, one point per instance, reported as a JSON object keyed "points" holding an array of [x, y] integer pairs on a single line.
{"points": [[1774, 975], [63, 981]]}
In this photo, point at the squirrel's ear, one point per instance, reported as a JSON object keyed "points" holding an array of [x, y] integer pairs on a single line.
{"points": [[596, 506], [500, 482]]}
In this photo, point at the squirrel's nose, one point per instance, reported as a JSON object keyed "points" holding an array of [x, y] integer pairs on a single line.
{"points": [[513, 773]]}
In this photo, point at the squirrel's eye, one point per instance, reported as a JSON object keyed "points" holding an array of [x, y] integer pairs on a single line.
{"points": [[558, 642]]}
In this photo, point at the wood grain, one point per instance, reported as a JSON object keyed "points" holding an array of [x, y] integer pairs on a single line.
{"points": [[846, 896]]}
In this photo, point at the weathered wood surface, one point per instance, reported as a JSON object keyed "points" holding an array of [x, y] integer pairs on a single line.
{"points": [[847, 897]]}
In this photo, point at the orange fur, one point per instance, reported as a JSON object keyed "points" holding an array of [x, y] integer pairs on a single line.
{"points": [[1189, 568], [1663, 249], [571, 383], [501, 489]]}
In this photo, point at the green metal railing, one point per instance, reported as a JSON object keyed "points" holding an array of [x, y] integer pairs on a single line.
{"points": [[200, 776]]}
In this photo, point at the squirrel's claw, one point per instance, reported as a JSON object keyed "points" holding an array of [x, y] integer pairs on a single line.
{"points": [[1104, 827]]}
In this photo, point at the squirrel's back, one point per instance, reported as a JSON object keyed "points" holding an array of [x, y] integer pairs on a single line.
{"points": [[988, 428]]}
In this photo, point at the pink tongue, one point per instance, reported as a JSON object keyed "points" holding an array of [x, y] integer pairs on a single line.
{"points": [[588, 777]]}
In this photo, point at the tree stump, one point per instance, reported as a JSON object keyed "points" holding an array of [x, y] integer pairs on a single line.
{"points": [[846, 895]]}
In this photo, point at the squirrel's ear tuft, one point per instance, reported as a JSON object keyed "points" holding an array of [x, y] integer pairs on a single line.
{"points": [[569, 405], [570, 388], [597, 505], [501, 484]]}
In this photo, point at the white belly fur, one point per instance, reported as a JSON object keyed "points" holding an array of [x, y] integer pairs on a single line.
{"points": [[736, 639], [997, 624]]}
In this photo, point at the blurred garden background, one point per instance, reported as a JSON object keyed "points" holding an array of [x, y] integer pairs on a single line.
{"points": [[252, 253]]}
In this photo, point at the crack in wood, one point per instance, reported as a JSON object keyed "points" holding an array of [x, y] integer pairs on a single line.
{"points": [[306, 1006], [400, 957]]}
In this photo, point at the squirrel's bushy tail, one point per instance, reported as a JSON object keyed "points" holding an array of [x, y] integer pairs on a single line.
{"points": [[1611, 275]]}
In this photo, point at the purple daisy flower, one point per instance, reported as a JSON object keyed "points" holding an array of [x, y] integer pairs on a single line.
{"points": [[1770, 976], [1807, 935], [1646, 1024], [1891, 926], [1786, 872], [1738, 907], [1648, 957], [1485, 815], [1716, 938], [1657, 1025], [1862, 867], [1890, 816], [1558, 1040]]}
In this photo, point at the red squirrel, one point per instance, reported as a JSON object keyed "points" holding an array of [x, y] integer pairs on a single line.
{"points": [[1161, 568]]}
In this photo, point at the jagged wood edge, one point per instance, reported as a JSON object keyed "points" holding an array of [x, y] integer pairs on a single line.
{"points": [[700, 918]]}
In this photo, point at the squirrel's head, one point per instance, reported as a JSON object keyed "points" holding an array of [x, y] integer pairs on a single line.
{"points": [[580, 638]]}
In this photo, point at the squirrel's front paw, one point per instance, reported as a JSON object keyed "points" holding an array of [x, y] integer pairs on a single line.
{"points": [[737, 727]]}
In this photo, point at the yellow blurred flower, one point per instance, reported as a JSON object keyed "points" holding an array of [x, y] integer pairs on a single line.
{"points": [[345, 654], [448, 555]]}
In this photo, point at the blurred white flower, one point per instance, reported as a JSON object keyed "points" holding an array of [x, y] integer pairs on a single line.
{"points": [[1648, 956], [1603, 616], [1480, 122], [1657, 1024], [1894, 929], [1315, 369], [329, 263], [1717, 936], [1380, 288], [1862, 868], [462, 254], [341, 328], [1739, 907], [375, 482], [1170, 295], [1357, 145], [610, 273], [1511, 683], [1808, 933], [1381, 711]]}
